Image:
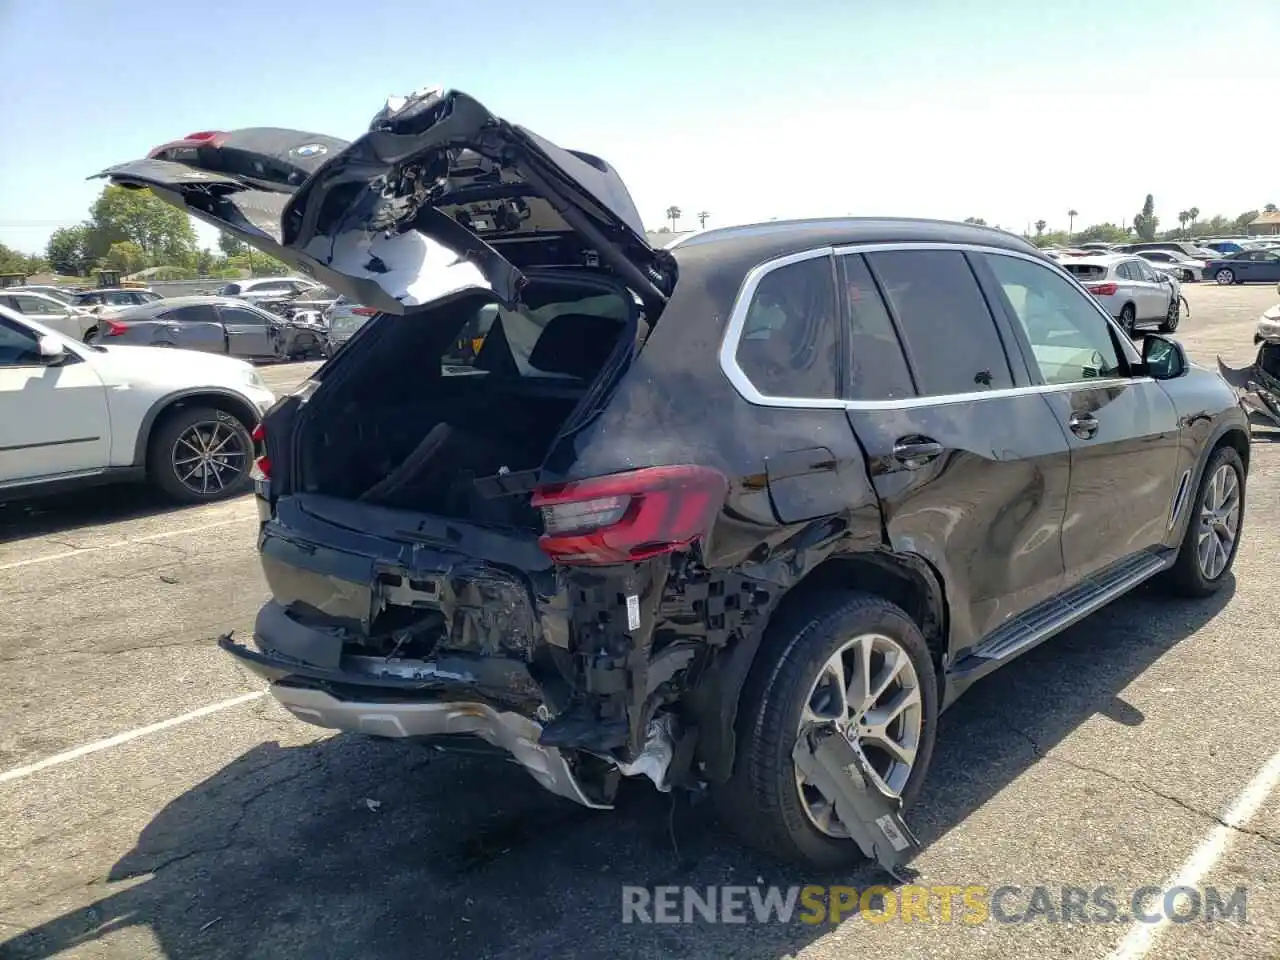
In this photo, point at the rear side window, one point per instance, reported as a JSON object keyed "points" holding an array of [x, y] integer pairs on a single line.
{"points": [[950, 334], [876, 368], [196, 313], [788, 345]]}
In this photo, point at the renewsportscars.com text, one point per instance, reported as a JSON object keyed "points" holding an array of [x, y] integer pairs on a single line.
{"points": [[969, 905]]}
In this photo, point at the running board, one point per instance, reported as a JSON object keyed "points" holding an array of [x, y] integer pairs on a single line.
{"points": [[1056, 614]]}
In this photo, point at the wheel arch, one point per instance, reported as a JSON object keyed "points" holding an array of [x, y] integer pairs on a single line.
{"points": [[224, 400], [904, 579]]}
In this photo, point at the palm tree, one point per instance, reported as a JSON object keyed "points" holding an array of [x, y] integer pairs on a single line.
{"points": [[673, 214], [1040, 225], [1182, 218], [1192, 216], [1071, 223]]}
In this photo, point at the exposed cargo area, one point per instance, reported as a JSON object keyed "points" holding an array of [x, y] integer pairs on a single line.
{"points": [[427, 404]]}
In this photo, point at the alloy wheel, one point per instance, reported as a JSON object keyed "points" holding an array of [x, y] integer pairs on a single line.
{"points": [[870, 691], [208, 457], [1219, 522], [1224, 277]]}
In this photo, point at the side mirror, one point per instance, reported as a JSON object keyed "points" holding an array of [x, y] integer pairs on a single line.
{"points": [[1162, 358], [52, 352]]}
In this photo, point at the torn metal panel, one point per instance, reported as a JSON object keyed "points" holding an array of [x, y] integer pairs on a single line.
{"points": [[873, 818]]}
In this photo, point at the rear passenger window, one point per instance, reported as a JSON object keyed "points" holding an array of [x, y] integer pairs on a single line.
{"points": [[876, 366], [197, 313], [788, 343], [950, 334]]}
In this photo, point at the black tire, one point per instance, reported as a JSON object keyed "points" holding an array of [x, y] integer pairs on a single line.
{"points": [[1225, 277], [1188, 276], [165, 474], [1186, 578], [1170, 321], [1128, 319], [90, 334], [761, 801]]}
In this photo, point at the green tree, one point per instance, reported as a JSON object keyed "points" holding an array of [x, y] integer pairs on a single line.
{"points": [[673, 214], [68, 251], [1243, 221], [1071, 222], [125, 256], [1040, 225], [163, 233], [1102, 233], [1192, 216], [977, 221], [1146, 223], [207, 262], [1268, 208], [15, 261], [230, 245]]}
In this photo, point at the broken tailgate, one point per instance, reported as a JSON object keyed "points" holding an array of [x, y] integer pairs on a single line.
{"points": [[414, 210]]}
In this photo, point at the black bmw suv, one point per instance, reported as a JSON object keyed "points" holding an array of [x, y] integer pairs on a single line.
{"points": [[744, 513]]}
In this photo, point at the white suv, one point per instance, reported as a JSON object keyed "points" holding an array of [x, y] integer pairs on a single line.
{"points": [[1130, 289], [74, 413]]}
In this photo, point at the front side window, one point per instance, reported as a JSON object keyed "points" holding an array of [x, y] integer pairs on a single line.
{"points": [[788, 346], [18, 346], [1069, 337], [243, 317], [950, 335]]}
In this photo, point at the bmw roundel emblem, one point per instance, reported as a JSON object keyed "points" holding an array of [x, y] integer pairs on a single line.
{"points": [[310, 150]]}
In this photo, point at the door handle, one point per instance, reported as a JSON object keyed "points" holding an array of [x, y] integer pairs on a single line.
{"points": [[914, 452], [1083, 425]]}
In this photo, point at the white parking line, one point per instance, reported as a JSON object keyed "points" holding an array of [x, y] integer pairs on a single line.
{"points": [[14, 564], [19, 772], [1142, 936]]}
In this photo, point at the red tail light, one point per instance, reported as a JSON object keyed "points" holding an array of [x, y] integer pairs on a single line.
{"points": [[1102, 289], [261, 463], [628, 516], [111, 328], [363, 311]]}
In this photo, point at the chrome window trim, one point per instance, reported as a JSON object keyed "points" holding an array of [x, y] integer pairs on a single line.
{"points": [[748, 391]]}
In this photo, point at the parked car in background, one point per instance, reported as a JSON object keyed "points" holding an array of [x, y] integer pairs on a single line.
{"points": [[1184, 247], [550, 545], [74, 414], [1097, 245], [262, 290], [212, 325], [61, 316], [58, 293], [1131, 290], [1175, 263], [1220, 247], [1245, 266], [114, 297], [342, 319]]}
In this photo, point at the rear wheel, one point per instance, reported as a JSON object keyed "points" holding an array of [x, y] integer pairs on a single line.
{"points": [[1170, 322], [1128, 319], [851, 659], [200, 454], [1225, 277], [90, 334], [1209, 545]]}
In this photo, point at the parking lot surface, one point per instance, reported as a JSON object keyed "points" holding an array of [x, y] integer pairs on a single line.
{"points": [[153, 803]]}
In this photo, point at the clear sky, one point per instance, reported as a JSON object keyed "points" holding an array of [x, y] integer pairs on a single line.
{"points": [[1010, 110]]}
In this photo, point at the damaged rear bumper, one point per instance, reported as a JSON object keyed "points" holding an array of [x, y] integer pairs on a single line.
{"points": [[449, 696]]}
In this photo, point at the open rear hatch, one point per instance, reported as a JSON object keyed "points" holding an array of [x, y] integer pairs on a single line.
{"points": [[438, 197]]}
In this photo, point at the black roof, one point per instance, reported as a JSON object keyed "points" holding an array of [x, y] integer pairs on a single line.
{"points": [[758, 242]]}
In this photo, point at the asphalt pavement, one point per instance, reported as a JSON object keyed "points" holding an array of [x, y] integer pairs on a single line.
{"points": [[153, 803]]}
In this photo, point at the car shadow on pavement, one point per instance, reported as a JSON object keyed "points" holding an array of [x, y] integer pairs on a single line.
{"points": [[353, 847], [91, 506]]}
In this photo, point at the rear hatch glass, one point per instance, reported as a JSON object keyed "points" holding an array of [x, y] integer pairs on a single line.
{"points": [[1085, 271]]}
